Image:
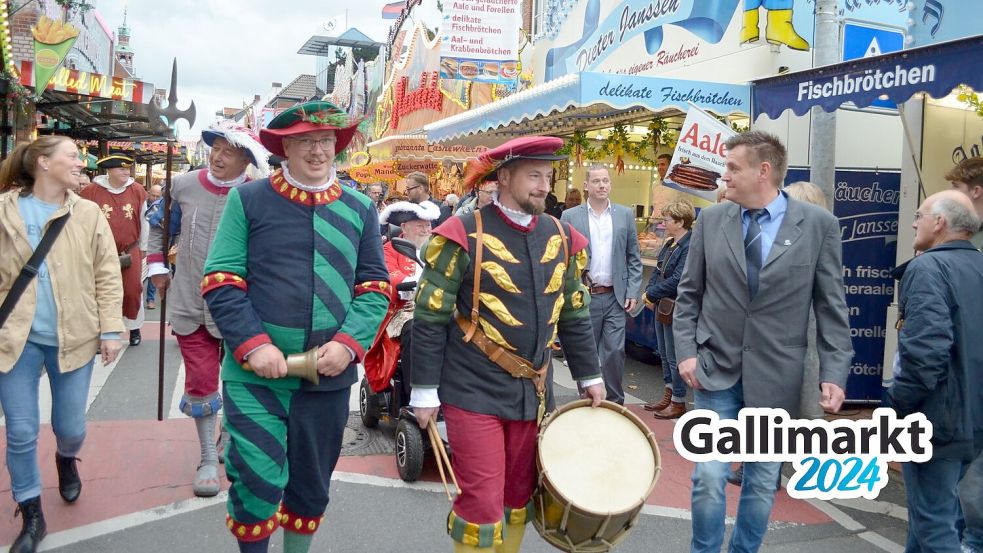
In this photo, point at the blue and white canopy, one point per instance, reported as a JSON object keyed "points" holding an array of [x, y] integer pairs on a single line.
{"points": [[935, 70], [588, 100]]}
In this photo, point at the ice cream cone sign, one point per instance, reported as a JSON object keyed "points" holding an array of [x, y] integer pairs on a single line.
{"points": [[52, 41]]}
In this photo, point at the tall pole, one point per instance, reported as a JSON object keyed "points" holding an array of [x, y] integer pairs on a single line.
{"points": [[822, 132], [163, 303]]}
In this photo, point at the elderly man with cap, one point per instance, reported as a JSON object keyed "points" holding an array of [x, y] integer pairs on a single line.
{"points": [[395, 335], [296, 265], [125, 205], [499, 285], [197, 201]]}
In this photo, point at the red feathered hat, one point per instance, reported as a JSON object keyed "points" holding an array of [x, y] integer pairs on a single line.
{"points": [[309, 117], [526, 147]]}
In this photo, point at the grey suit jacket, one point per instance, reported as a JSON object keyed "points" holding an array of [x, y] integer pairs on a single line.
{"points": [[626, 260], [764, 340]]}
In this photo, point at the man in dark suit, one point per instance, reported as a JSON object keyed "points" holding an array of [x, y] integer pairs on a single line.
{"points": [[614, 272], [756, 264], [418, 190]]}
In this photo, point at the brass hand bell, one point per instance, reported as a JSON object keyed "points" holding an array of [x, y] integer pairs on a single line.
{"points": [[303, 365]]}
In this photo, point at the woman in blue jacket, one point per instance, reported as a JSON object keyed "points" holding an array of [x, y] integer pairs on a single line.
{"points": [[678, 220]]}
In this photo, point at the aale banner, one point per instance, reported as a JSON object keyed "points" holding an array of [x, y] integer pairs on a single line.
{"points": [[700, 156]]}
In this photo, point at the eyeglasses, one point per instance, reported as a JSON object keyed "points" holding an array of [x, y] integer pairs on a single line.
{"points": [[307, 144], [412, 188], [489, 192], [919, 215]]}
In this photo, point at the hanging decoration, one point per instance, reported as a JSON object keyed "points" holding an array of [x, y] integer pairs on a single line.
{"points": [[580, 147], [971, 99], [618, 145]]}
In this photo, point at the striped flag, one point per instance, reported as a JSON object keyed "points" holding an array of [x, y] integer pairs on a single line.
{"points": [[391, 11]]}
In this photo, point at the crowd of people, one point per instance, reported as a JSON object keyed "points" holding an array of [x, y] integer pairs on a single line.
{"points": [[748, 296]]}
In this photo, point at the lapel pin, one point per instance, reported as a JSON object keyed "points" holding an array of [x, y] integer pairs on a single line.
{"points": [[787, 243]]}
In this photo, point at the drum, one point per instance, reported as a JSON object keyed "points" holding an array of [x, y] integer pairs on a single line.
{"points": [[596, 468]]}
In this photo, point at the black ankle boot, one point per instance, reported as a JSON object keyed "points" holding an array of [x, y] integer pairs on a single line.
{"points": [[69, 483], [34, 529]]}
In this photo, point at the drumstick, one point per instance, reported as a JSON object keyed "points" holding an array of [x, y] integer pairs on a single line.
{"points": [[440, 467], [443, 454]]}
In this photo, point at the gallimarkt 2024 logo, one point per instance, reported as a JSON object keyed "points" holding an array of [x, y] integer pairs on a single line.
{"points": [[838, 459]]}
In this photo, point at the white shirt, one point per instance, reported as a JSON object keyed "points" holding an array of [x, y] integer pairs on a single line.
{"points": [[601, 244]]}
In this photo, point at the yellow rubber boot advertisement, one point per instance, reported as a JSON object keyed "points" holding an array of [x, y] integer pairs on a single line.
{"points": [[52, 41]]}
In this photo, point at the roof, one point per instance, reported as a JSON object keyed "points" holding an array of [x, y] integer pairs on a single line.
{"points": [[352, 38], [301, 88]]}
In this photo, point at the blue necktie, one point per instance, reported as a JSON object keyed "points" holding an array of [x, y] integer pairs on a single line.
{"points": [[752, 250]]}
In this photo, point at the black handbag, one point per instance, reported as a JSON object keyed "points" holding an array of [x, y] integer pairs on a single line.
{"points": [[31, 268]]}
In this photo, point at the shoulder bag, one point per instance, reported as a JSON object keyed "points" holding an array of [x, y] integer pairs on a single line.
{"points": [[31, 268]]}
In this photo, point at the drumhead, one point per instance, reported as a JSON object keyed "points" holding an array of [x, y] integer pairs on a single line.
{"points": [[598, 459]]}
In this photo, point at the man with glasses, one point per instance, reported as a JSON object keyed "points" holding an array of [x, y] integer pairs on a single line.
{"points": [[202, 195], [939, 360], [296, 265], [484, 195], [418, 191]]}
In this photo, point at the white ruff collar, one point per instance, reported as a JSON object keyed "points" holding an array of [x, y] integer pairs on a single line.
{"points": [[307, 187], [225, 183], [520, 218]]}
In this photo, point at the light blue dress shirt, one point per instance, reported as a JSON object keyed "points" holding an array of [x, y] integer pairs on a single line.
{"points": [[769, 223]]}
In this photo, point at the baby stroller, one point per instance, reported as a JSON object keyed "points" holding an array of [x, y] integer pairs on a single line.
{"points": [[381, 395]]}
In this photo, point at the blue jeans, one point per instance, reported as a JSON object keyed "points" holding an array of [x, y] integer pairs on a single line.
{"points": [[667, 351], [933, 508], [151, 291], [971, 499], [19, 398], [710, 479]]}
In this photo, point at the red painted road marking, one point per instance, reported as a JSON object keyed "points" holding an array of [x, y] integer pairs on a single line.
{"points": [[132, 466]]}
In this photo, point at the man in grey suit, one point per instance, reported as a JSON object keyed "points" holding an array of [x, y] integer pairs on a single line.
{"points": [[614, 273], [756, 264]]}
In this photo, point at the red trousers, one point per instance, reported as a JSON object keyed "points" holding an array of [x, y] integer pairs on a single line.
{"points": [[495, 463], [132, 285], [200, 351]]}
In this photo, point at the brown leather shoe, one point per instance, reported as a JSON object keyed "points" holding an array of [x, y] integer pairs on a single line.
{"points": [[662, 403], [674, 411]]}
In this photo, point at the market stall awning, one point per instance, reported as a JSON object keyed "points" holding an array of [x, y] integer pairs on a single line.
{"points": [[415, 146], [90, 106], [936, 70], [589, 100]]}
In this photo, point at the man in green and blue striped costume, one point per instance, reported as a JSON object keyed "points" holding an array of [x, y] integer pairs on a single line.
{"points": [[296, 264]]}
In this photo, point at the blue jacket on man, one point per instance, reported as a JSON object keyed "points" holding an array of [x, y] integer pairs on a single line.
{"points": [[940, 349]]}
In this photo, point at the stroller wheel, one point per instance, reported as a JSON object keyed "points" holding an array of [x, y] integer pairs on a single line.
{"points": [[368, 405], [409, 450]]}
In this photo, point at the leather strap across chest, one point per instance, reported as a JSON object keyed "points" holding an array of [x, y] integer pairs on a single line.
{"points": [[513, 364]]}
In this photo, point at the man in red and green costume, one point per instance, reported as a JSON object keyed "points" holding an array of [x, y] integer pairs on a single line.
{"points": [[483, 355], [296, 264]]}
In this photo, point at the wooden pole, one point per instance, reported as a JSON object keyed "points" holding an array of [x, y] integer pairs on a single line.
{"points": [[163, 293]]}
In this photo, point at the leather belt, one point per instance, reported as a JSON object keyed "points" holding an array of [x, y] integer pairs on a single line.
{"points": [[597, 289], [511, 363]]}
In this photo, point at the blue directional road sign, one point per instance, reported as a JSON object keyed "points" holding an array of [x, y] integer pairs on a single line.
{"points": [[865, 41]]}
